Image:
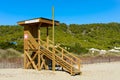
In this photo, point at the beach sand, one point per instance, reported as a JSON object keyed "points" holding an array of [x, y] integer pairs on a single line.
{"points": [[99, 71]]}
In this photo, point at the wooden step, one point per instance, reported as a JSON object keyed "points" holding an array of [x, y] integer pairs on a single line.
{"points": [[61, 62]]}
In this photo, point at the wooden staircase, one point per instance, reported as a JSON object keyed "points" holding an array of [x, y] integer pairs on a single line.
{"points": [[66, 60]]}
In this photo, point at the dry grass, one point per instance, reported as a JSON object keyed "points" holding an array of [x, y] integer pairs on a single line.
{"points": [[9, 53]]}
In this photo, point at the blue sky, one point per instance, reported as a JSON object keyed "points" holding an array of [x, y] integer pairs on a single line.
{"points": [[66, 11]]}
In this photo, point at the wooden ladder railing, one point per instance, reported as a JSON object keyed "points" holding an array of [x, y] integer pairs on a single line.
{"points": [[64, 55]]}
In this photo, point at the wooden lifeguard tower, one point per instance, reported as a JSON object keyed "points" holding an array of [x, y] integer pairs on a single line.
{"points": [[38, 52]]}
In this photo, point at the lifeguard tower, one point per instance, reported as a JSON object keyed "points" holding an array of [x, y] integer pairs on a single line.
{"points": [[38, 52]]}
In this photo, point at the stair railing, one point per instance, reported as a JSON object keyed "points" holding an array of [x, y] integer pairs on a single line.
{"points": [[65, 55]]}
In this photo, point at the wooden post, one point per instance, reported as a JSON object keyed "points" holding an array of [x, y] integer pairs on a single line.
{"points": [[53, 22], [24, 53], [53, 55], [79, 65], [62, 53], [53, 59], [27, 51], [39, 48], [71, 68], [47, 38], [25, 58]]}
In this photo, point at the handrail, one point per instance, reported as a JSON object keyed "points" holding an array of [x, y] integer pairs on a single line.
{"points": [[65, 61], [72, 61], [66, 51], [63, 50], [58, 56], [66, 56]]}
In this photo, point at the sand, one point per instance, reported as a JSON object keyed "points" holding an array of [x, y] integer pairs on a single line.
{"points": [[100, 71]]}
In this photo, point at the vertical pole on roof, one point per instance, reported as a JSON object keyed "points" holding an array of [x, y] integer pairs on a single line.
{"points": [[53, 22], [53, 55], [39, 47]]}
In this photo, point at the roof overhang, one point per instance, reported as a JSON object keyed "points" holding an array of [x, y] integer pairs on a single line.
{"points": [[44, 22]]}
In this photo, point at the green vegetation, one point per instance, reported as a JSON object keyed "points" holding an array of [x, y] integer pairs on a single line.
{"points": [[75, 38], [101, 36], [9, 35], [80, 38]]}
